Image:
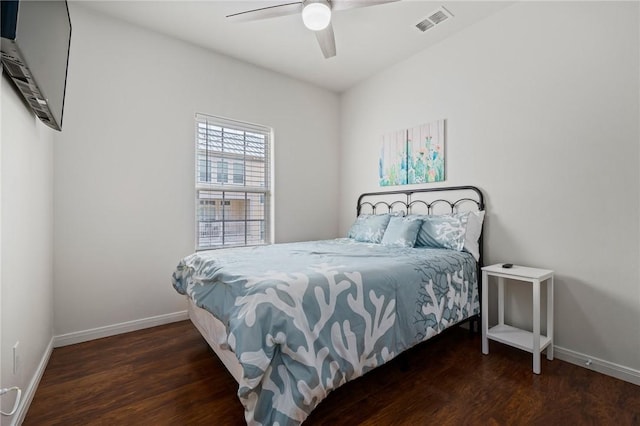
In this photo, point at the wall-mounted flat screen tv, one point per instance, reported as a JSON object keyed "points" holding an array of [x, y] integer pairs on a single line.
{"points": [[36, 36]]}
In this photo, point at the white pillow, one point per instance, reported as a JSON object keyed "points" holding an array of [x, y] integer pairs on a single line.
{"points": [[472, 235]]}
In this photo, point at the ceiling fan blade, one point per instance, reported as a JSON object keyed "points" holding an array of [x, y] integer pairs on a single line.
{"points": [[327, 42], [267, 12], [352, 4]]}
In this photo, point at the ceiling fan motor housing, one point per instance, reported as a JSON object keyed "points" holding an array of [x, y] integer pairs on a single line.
{"points": [[316, 14]]}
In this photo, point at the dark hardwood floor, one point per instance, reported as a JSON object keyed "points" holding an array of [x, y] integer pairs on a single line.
{"points": [[169, 376]]}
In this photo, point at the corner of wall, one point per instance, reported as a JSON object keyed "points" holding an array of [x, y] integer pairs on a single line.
{"points": [[26, 241]]}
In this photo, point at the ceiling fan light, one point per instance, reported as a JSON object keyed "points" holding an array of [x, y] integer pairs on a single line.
{"points": [[316, 16]]}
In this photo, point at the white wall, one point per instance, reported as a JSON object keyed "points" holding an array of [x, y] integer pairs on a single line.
{"points": [[542, 106], [124, 197], [27, 240]]}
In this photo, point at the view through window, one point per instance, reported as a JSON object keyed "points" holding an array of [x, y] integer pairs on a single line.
{"points": [[233, 192]]}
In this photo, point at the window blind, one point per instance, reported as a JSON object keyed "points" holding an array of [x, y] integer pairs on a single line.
{"points": [[233, 183]]}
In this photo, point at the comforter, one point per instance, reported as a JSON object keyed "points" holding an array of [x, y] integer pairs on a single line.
{"points": [[304, 318]]}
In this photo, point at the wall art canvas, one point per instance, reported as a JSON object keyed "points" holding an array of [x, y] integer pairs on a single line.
{"points": [[413, 155], [393, 159]]}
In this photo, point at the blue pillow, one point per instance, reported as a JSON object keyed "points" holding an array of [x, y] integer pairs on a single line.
{"points": [[402, 231], [369, 228], [446, 231]]}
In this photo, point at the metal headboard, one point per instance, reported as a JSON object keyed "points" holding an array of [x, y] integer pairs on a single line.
{"points": [[408, 201], [441, 200]]}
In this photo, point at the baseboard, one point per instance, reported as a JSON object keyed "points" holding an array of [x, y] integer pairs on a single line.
{"points": [[112, 330], [601, 366], [30, 392]]}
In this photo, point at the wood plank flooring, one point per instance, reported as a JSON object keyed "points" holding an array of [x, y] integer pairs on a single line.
{"points": [[169, 376]]}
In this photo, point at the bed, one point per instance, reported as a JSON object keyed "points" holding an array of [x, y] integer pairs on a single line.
{"points": [[291, 322]]}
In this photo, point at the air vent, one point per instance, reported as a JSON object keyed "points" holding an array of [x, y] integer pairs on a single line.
{"points": [[425, 25], [436, 17]]}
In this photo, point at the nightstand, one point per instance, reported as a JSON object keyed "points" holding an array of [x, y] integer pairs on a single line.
{"points": [[529, 341]]}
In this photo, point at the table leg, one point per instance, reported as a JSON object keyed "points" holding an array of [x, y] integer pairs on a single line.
{"points": [[536, 326], [550, 317], [500, 300], [485, 312]]}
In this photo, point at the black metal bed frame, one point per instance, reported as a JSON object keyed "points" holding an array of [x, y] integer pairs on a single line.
{"points": [[410, 200]]}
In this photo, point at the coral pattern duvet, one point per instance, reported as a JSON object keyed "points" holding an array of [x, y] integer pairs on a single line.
{"points": [[304, 318]]}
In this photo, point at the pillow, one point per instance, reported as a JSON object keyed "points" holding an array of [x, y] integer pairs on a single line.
{"points": [[472, 235], [402, 231], [446, 231], [369, 228]]}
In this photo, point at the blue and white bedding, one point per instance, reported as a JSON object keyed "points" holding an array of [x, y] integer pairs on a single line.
{"points": [[304, 318]]}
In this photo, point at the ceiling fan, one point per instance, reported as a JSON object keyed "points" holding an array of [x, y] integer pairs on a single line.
{"points": [[316, 15]]}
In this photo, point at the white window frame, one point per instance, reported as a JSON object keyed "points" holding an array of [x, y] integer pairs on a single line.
{"points": [[250, 145]]}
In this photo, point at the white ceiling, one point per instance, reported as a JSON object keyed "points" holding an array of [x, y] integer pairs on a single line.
{"points": [[367, 39]]}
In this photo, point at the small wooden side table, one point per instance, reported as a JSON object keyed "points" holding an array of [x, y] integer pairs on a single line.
{"points": [[526, 340]]}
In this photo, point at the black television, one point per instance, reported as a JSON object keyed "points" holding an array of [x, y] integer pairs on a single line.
{"points": [[36, 36]]}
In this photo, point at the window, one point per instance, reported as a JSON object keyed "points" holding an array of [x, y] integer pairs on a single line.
{"points": [[238, 173], [233, 190], [223, 171]]}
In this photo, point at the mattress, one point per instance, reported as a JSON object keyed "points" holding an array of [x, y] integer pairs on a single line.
{"points": [[215, 334]]}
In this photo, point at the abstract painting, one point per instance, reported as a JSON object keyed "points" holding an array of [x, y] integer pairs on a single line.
{"points": [[413, 155]]}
